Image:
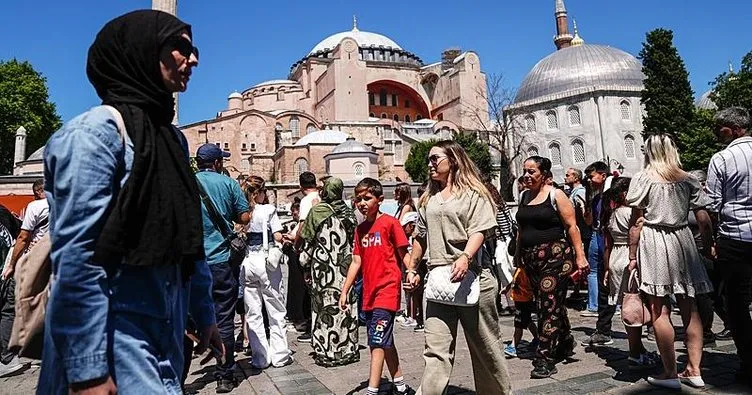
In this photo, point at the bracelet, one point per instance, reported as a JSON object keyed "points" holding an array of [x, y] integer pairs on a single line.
{"points": [[412, 272], [633, 259], [469, 258]]}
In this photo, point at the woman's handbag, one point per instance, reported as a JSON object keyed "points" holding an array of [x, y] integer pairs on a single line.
{"points": [[271, 252], [441, 289], [634, 313]]}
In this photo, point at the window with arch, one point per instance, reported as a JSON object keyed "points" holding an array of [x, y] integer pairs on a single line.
{"points": [[418, 117], [395, 117], [280, 95], [530, 124], [626, 110], [554, 152], [629, 147], [407, 118], [360, 169], [372, 115], [300, 166], [551, 120], [295, 126], [383, 115], [310, 128], [574, 116], [578, 152], [532, 151], [382, 97]]}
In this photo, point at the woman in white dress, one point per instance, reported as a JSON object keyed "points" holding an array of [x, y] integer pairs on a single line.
{"points": [[262, 281], [669, 261]]}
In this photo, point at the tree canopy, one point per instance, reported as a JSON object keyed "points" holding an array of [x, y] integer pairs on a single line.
{"points": [[735, 89], [699, 144], [417, 167], [24, 101], [667, 97]]}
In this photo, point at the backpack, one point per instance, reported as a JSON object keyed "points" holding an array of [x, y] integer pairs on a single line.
{"points": [[33, 273]]}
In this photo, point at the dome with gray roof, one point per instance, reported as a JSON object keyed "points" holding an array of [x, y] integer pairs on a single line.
{"points": [[37, 155], [580, 69], [322, 137], [705, 102], [351, 146]]}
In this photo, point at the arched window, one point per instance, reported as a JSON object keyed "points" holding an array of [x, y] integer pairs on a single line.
{"points": [[310, 128], [554, 151], [530, 124], [574, 116], [382, 97], [360, 169], [372, 115], [578, 152], [626, 110], [281, 96], [418, 117], [532, 151], [551, 120], [295, 126], [383, 115], [629, 147], [300, 166], [395, 117], [407, 118]]}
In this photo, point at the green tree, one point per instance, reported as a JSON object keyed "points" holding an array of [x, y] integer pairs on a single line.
{"points": [[667, 97], [24, 101], [416, 163], [700, 143], [735, 89]]}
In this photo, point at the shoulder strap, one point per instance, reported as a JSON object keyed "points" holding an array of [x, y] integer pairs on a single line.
{"points": [[214, 216], [552, 197], [265, 233]]}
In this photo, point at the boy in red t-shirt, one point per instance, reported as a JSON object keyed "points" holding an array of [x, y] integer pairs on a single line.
{"points": [[380, 245]]}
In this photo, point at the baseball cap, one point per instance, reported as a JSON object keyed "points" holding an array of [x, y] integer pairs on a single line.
{"points": [[409, 217], [210, 152]]}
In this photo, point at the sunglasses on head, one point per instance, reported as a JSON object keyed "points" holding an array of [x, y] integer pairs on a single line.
{"points": [[183, 46]]}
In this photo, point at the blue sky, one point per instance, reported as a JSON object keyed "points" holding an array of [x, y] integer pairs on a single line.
{"points": [[246, 42]]}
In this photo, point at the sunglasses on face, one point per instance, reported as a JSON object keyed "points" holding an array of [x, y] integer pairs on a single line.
{"points": [[435, 159], [183, 46]]}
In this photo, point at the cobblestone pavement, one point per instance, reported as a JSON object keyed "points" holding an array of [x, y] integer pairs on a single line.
{"points": [[603, 370]]}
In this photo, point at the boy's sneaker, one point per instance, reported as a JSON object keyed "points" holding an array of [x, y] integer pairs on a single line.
{"points": [[598, 339], [510, 351], [304, 338], [543, 370], [419, 328], [409, 322], [407, 391], [647, 360], [589, 313]]}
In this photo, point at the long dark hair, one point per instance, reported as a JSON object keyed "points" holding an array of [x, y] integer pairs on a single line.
{"points": [[614, 198]]}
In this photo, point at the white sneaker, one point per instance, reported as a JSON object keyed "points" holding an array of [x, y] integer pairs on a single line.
{"points": [[11, 367], [409, 322]]}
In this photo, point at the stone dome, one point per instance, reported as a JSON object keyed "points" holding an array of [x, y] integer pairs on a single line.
{"points": [[322, 137], [364, 39], [37, 155], [235, 95], [275, 82], [705, 102], [351, 146], [580, 69]]}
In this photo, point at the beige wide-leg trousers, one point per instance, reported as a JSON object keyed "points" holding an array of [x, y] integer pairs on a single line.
{"points": [[483, 334]]}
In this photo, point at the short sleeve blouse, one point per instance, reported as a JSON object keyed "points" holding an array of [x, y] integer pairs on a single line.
{"points": [[666, 203]]}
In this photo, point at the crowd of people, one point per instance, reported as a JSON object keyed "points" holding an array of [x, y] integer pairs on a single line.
{"points": [[153, 262]]}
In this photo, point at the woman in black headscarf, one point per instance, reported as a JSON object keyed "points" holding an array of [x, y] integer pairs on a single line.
{"points": [[126, 226]]}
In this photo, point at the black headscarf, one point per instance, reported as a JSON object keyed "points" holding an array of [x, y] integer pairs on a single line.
{"points": [[156, 219]]}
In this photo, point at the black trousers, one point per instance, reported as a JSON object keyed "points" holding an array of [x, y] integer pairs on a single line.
{"points": [[298, 295], [606, 311], [225, 295], [736, 274], [7, 315]]}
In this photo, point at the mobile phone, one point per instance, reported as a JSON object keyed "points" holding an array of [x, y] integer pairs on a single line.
{"points": [[577, 275]]}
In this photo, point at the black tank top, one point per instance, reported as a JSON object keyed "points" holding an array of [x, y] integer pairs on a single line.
{"points": [[539, 223]]}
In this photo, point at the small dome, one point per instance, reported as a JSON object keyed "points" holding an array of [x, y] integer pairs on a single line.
{"points": [[705, 102], [364, 39], [322, 137], [274, 82], [351, 146], [37, 155], [235, 95], [569, 70]]}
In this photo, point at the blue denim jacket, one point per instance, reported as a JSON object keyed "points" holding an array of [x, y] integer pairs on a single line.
{"points": [[125, 321]]}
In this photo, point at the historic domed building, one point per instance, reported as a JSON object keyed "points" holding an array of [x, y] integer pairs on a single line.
{"points": [[580, 104], [351, 107]]}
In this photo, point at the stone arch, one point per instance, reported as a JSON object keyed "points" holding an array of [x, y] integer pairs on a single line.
{"points": [[419, 100]]}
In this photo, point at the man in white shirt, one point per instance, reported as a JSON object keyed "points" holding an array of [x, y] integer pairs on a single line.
{"points": [[35, 225], [311, 198], [729, 187]]}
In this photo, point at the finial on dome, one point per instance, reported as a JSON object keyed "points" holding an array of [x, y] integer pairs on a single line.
{"points": [[355, 23], [731, 67], [577, 40]]}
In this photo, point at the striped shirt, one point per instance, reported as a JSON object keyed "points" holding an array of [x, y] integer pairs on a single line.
{"points": [[730, 189], [505, 222]]}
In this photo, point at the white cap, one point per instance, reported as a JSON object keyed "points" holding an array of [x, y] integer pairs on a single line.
{"points": [[412, 216]]}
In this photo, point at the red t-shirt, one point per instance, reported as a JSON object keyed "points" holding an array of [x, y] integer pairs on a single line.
{"points": [[376, 243]]}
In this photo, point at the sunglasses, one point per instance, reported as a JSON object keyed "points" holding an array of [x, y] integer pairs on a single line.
{"points": [[183, 46], [435, 159]]}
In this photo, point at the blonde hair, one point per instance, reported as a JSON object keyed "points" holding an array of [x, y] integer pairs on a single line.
{"points": [[464, 175], [253, 186], [662, 158]]}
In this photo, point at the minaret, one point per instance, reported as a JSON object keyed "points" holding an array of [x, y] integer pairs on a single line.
{"points": [[20, 149], [562, 39], [170, 7]]}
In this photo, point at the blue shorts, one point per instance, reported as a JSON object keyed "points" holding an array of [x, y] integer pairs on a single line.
{"points": [[380, 325]]}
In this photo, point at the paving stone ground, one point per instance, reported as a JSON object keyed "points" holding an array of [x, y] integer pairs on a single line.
{"points": [[603, 370]]}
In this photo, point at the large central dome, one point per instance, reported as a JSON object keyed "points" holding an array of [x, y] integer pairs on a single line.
{"points": [[580, 69], [364, 39]]}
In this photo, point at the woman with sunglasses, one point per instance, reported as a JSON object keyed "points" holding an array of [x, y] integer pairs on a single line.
{"points": [[456, 215], [261, 275]]}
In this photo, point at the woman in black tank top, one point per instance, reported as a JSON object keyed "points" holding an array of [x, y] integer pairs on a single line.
{"points": [[547, 223]]}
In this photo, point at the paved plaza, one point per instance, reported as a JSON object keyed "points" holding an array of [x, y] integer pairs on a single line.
{"points": [[603, 370]]}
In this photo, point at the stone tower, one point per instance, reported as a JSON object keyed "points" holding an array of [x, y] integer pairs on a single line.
{"points": [[171, 7], [562, 39], [20, 149]]}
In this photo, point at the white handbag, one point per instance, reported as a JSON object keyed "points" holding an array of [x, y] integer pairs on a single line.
{"points": [[441, 289], [272, 254]]}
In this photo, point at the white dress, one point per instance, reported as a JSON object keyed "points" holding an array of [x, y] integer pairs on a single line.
{"points": [[668, 257]]}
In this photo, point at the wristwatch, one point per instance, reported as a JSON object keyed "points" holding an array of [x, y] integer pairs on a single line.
{"points": [[469, 258]]}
